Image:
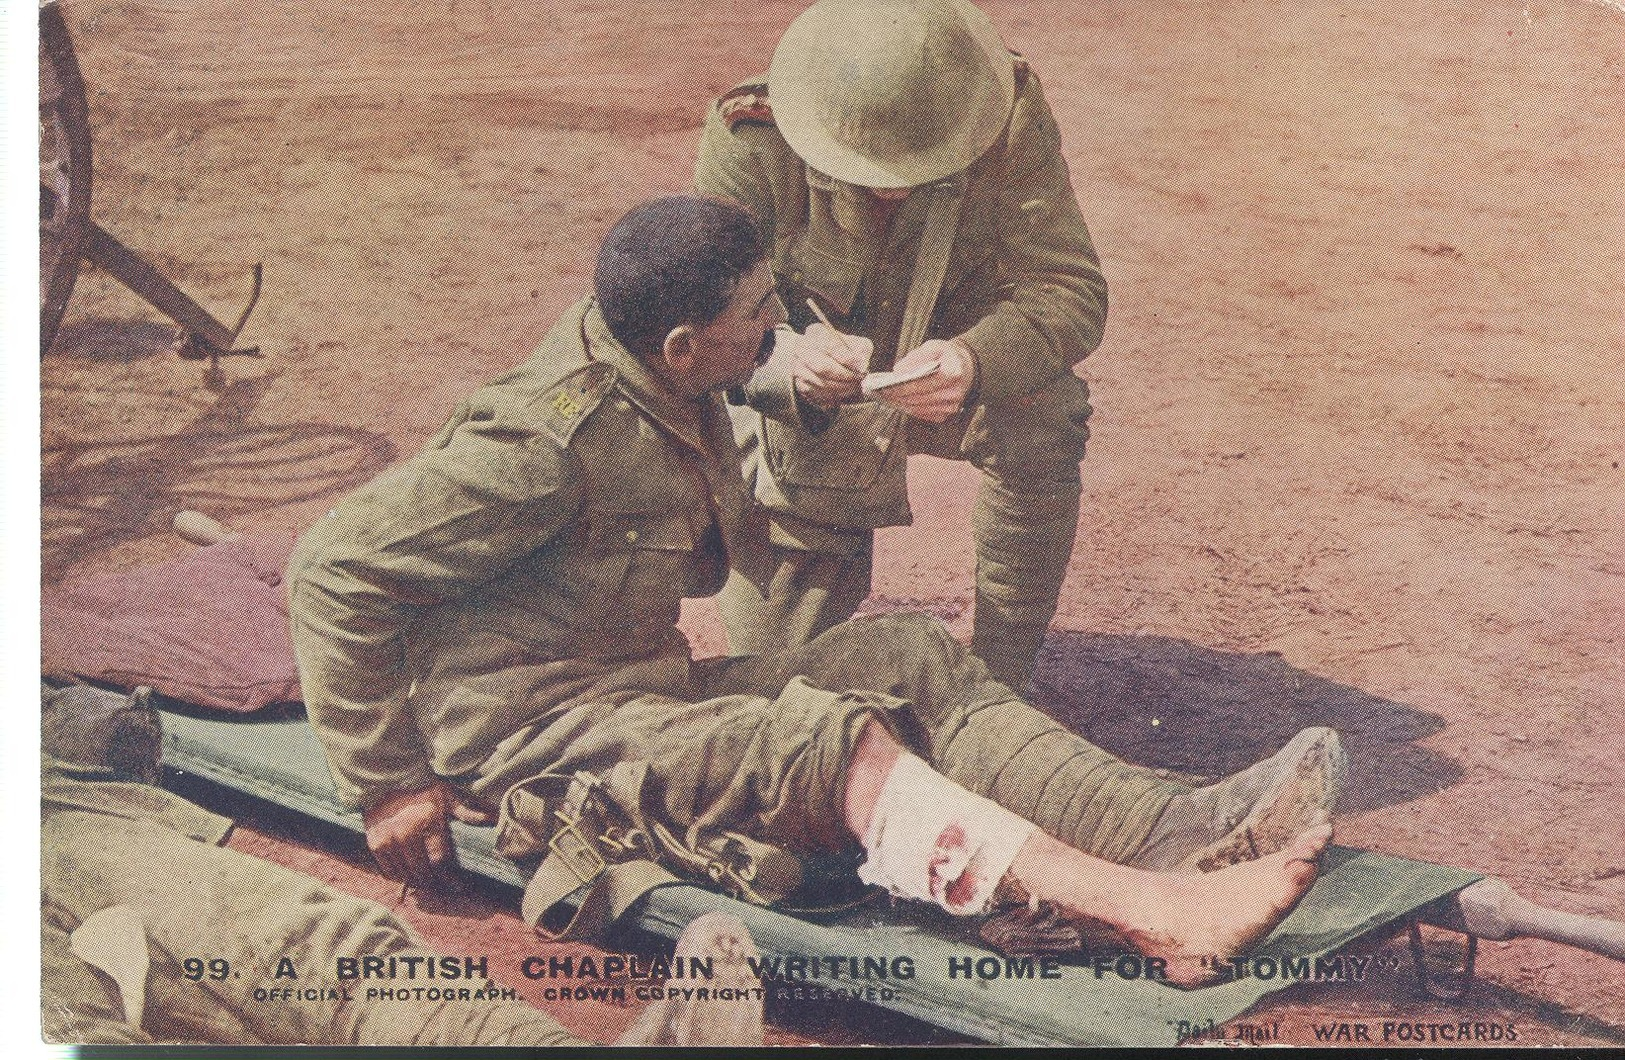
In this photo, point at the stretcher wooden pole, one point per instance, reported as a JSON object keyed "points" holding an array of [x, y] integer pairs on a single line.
{"points": [[1491, 910]]}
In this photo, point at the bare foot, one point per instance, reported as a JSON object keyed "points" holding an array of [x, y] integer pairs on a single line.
{"points": [[733, 1019], [1194, 921]]}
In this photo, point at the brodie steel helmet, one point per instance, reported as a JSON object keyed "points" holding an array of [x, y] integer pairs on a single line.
{"points": [[891, 93]]}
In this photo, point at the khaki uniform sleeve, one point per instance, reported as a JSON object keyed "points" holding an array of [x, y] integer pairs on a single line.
{"points": [[426, 532], [771, 391], [1054, 313], [729, 167]]}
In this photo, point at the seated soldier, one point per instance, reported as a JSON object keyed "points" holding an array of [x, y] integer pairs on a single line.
{"points": [[501, 611], [134, 882]]}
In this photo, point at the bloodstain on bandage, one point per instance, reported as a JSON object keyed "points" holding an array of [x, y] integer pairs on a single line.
{"points": [[930, 839], [949, 860]]}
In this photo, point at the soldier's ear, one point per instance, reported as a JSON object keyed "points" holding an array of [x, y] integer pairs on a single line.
{"points": [[677, 352]]}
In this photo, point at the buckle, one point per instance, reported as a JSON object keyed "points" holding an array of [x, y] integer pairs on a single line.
{"points": [[733, 868], [633, 841], [576, 849]]}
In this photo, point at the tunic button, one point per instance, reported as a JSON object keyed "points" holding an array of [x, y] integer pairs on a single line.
{"points": [[885, 303], [631, 535]]}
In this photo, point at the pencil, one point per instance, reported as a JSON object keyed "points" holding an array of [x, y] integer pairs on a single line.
{"points": [[824, 320]]}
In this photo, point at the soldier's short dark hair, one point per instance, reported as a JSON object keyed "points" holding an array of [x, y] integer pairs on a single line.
{"points": [[675, 260]]}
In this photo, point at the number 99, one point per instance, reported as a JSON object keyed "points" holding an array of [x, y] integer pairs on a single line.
{"points": [[195, 968]]}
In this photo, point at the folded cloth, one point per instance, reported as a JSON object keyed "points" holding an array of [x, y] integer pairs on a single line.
{"points": [[210, 627]]}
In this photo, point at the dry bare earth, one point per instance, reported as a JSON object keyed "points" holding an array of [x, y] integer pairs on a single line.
{"points": [[1359, 427]]}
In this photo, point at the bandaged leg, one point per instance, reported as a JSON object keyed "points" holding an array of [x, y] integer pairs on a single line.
{"points": [[928, 838], [931, 840]]}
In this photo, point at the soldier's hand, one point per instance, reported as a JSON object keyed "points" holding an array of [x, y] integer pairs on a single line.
{"points": [[408, 834], [939, 395], [828, 366]]}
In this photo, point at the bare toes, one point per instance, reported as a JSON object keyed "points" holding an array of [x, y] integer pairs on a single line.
{"points": [[1311, 842]]}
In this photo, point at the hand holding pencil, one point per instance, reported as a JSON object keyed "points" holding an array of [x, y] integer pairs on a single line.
{"points": [[829, 366], [929, 383]]}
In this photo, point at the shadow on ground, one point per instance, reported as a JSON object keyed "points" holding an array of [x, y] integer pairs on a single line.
{"points": [[97, 493], [114, 341], [1175, 705]]}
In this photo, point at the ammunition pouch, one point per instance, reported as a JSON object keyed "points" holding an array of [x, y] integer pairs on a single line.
{"points": [[851, 475], [592, 832]]}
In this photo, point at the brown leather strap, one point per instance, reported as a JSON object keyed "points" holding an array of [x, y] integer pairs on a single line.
{"points": [[931, 260]]}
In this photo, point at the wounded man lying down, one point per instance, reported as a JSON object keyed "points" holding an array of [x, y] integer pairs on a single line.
{"points": [[500, 612], [134, 884]]}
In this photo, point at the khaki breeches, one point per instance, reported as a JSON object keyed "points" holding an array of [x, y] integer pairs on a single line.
{"points": [[1024, 521], [757, 751]]}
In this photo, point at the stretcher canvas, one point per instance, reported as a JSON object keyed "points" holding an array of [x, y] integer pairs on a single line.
{"points": [[1359, 891]]}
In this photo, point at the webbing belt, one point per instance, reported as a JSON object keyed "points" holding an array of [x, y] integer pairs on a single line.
{"points": [[584, 831], [931, 261]]}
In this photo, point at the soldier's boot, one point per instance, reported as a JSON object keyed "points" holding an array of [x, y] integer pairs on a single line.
{"points": [[94, 730], [1023, 544], [1251, 813], [1097, 803]]}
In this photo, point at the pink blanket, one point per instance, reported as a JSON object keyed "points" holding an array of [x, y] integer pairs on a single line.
{"points": [[209, 628]]}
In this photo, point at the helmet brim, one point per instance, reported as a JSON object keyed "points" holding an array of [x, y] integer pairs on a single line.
{"points": [[891, 95]]}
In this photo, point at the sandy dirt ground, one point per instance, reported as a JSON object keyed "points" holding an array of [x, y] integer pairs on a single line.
{"points": [[1356, 455]]}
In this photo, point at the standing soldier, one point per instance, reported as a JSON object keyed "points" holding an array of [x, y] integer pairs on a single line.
{"points": [[908, 176]]}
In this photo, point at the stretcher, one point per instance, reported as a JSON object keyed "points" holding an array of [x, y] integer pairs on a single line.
{"points": [[908, 959]]}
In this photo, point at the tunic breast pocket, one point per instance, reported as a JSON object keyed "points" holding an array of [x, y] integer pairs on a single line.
{"points": [[809, 271], [644, 560]]}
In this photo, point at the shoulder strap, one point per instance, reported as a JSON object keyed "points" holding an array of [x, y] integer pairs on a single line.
{"points": [[936, 246], [931, 261], [566, 404], [746, 102], [1022, 69]]}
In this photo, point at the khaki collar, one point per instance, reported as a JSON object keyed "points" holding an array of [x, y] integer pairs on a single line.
{"points": [[680, 415], [853, 211]]}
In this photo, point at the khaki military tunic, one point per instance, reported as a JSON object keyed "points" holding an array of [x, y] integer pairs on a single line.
{"points": [[535, 554], [504, 606], [1023, 291], [1023, 288]]}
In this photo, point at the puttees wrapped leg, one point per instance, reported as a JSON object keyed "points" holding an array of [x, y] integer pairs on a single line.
{"points": [[976, 731], [1024, 532]]}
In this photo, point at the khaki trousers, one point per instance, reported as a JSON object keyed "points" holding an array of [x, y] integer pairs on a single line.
{"points": [[197, 900], [761, 745], [1024, 521]]}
